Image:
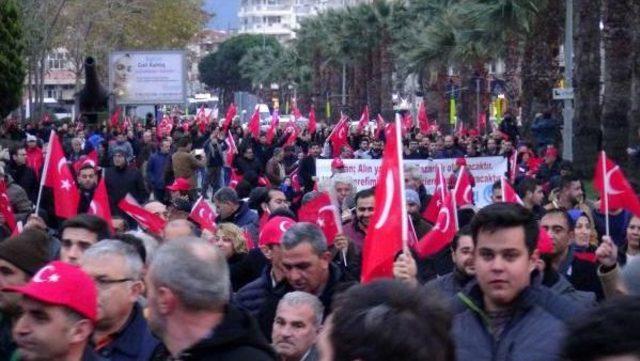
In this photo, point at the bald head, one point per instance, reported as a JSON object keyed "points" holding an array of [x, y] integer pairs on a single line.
{"points": [[178, 228]]}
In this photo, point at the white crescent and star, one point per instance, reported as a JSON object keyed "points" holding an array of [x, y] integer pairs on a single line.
{"points": [[42, 275], [386, 208], [442, 215], [612, 191]]}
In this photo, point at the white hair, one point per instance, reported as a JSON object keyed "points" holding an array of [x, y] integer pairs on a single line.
{"points": [[298, 298]]}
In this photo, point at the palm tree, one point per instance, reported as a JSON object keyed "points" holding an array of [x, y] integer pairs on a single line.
{"points": [[586, 121], [617, 19]]}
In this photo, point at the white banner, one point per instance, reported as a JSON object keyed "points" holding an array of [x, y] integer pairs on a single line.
{"points": [[148, 77], [364, 172]]}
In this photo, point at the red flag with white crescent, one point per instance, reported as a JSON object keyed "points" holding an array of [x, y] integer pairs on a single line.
{"points": [[5, 207], [364, 119], [99, 205], [387, 228], [204, 215], [611, 183], [232, 149], [509, 195], [254, 124], [228, 118], [147, 220], [442, 232], [59, 178], [338, 136], [463, 191], [313, 123], [423, 119], [321, 211], [436, 201]]}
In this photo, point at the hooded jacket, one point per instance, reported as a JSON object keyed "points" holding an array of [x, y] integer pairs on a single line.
{"points": [[237, 337]]}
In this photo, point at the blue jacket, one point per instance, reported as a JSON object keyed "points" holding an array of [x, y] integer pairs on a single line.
{"points": [[134, 342], [251, 297], [448, 285], [155, 169], [534, 333], [244, 217]]}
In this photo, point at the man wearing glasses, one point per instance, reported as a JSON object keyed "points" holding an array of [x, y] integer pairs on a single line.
{"points": [[121, 331]]}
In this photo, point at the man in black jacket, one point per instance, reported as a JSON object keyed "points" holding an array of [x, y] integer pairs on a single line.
{"points": [[188, 290], [24, 176], [463, 272], [307, 170], [122, 179]]}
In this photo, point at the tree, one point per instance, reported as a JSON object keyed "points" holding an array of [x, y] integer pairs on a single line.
{"points": [[12, 68], [586, 121], [222, 68], [617, 20]]}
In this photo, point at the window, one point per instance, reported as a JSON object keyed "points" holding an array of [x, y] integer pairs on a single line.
{"points": [[57, 61]]}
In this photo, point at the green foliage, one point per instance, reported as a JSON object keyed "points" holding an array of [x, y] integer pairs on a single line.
{"points": [[12, 68], [223, 68]]}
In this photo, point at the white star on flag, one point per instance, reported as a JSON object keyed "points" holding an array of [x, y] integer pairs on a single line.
{"points": [[54, 277], [65, 184]]}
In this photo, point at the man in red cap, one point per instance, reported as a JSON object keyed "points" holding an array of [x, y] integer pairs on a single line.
{"points": [[179, 188], [252, 296], [59, 314]]}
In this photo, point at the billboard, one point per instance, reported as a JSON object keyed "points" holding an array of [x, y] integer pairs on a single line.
{"points": [[148, 77]]}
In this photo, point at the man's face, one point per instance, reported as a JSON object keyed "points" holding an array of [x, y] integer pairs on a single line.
{"points": [[411, 183], [364, 210], [496, 195], [491, 144], [364, 145], [294, 330], [32, 144], [146, 137], [574, 190], [87, 178], [74, 242], [463, 256], [376, 145], [248, 153], [342, 191], [633, 232], [556, 225], [225, 209], [117, 291], [448, 142], [120, 138], [10, 275], [277, 199], [166, 146], [45, 332], [433, 148], [314, 151], [158, 209], [20, 157], [119, 160], [76, 145], [503, 265], [538, 196], [157, 320], [305, 271], [413, 208], [413, 146]]}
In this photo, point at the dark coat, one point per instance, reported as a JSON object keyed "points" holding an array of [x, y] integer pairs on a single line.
{"points": [[251, 297], [134, 342], [121, 181], [26, 178], [243, 217], [448, 285], [240, 270], [306, 171], [236, 338], [156, 167], [533, 334]]}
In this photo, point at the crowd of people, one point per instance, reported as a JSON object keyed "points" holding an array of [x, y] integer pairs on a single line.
{"points": [[261, 285]]}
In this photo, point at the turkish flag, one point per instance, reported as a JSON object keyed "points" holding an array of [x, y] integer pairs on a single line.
{"points": [[407, 122], [338, 136], [423, 119], [388, 225], [509, 195], [364, 119], [90, 159], [235, 178], [439, 194], [380, 126], [482, 121], [321, 211], [545, 242], [294, 110], [232, 150], [611, 183], [204, 215], [313, 123], [58, 177], [164, 127], [411, 233], [293, 134], [463, 191], [99, 205], [5, 207], [295, 180], [442, 232], [254, 124], [228, 118], [147, 220], [115, 118], [275, 120]]}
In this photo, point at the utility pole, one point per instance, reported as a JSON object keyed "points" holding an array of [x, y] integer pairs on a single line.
{"points": [[567, 113]]}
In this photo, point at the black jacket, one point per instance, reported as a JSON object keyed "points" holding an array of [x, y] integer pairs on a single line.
{"points": [[120, 181], [26, 178], [236, 338]]}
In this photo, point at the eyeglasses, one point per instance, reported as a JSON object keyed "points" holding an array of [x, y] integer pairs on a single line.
{"points": [[105, 282]]}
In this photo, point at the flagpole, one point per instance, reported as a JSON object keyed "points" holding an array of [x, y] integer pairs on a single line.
{"points": [[45, 169], [337, 220], [606, 192], [403, 202], [453, 197], [502, 180]]}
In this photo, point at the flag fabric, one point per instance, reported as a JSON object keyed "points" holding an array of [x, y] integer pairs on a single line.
{"points": [[165, 127], [453, 115], [423, 119], [482, 122], [204, 215], [59, 178], [611, 183], [338, 136], [254, 124], [407, 122], [412, 240], [115, 118], [388, 226], [513, 166], [5, 207], [294, 109], [437, 200], [232, 150], [509, 195], [292, 137], [99, 205], [275, 120], [313, 123], [364, 119], [228, 118], [235, 178], [545, 241], [380, 126], [147, 220], [463, 191], [321, 211], [442, 232], [91, 159], [201, 119]]}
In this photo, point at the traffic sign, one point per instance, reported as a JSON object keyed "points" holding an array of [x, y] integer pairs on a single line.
{"points": [[562, 93]]}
